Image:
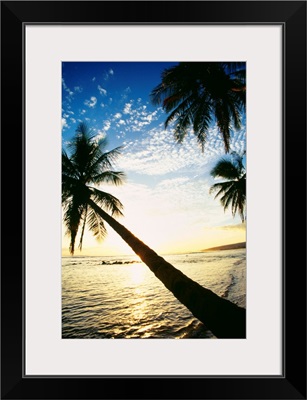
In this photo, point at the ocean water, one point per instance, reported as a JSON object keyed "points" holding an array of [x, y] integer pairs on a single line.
{"points": [[119, 297]]}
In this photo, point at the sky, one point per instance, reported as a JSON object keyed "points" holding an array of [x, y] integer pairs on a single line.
{"points": [[166, 191]]}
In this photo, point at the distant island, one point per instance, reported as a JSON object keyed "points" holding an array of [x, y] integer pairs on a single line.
{"points": [[241, 245]]}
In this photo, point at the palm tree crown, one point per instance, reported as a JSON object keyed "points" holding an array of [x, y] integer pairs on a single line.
{"points": [[86, 167], [199, 93], [232, 192]]}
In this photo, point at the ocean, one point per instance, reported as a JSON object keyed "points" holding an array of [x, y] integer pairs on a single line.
{"points": [[119, 297]]}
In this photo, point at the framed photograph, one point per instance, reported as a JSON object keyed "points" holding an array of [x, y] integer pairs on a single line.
{"points": [[168, 135]]}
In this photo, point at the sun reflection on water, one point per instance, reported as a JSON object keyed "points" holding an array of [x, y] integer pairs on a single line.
{"points": [[137, 274]]}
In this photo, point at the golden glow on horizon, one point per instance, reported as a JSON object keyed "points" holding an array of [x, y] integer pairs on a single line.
{"points": [[164, 224], [114, 245]]}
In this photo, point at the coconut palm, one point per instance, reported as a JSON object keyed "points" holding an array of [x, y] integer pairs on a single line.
{"points": [[199, 93], [232, 192], [87, 167], [83, 202]]}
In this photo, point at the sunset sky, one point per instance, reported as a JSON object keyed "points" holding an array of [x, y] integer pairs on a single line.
{"points": [[166, 193]]}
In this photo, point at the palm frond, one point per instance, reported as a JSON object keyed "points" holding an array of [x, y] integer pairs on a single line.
{"points": [[87, 164], [72, 218], [107, 202], [103, 161], [233, 191], [201, 91], [96, 224], [225, 169], [68, 168], [220, 187], [115, 177]]}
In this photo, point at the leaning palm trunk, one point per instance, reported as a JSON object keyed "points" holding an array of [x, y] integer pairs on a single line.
{"points": [[223, 318]]}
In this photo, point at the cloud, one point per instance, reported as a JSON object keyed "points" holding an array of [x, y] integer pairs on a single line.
{"points": [[138, 117], [107, 125], [78, 89], [157, 153], [236, 227], [92, 102], [101, 134], [125, 93], [117, 115], [127, 108], [93, 79], [66, 88], [64, 123], [107, 74], [69, 92], [102, 91]]}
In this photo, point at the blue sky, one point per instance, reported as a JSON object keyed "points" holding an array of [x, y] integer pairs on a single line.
{"points": [[166, 194]]}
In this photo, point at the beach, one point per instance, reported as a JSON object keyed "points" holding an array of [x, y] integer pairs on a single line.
{"points": [[119, 297]]}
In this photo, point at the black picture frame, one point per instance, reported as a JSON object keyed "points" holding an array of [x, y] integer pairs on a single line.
{"points": [[292, 16]]}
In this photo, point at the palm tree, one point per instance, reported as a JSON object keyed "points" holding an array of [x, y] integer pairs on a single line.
{"points": [[87, 166], [198, 93], [232, 192]]}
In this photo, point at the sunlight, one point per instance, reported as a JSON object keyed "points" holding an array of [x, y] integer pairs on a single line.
{"points": [[137, 273]]}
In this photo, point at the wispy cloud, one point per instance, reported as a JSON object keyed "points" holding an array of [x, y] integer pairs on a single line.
{"points": [[102, 91], [69, 92], [157, 153], [107, 74], [125, 93], [66, 88], [92, 102], [64, 123], [78, 89], [234, 227]]}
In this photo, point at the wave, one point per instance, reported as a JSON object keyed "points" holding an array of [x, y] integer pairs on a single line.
{"points": [[229, 286], [194, 330]]}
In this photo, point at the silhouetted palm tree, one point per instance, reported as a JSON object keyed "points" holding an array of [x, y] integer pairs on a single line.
{"points": [[232, 192], [199, 93], [88, 166]]}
